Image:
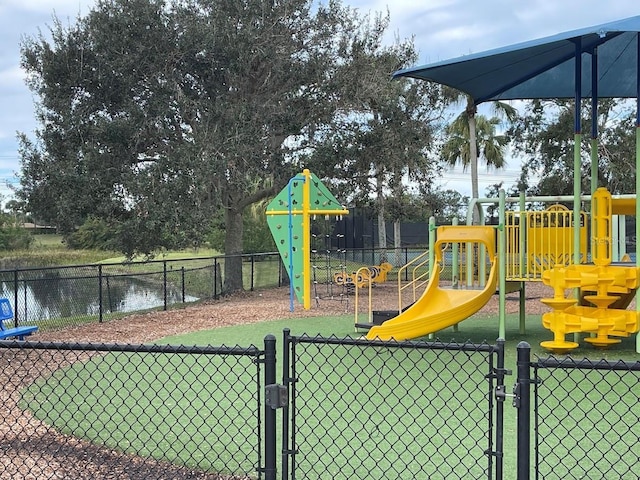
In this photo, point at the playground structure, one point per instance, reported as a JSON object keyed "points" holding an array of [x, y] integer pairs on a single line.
{"points": [[536, 246], [439, 307], [599, 61], [606, 289], [469, 264], [364, 276], [327, 263], [289, 218]]}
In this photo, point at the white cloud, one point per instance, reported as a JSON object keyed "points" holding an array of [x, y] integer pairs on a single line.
{"points": [[442, 29], [48, 6], [11, 77]]}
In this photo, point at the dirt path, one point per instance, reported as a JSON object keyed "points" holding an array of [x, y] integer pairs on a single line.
{"points": [[251, 307]]}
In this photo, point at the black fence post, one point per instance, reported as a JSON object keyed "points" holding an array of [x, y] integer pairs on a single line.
{"points": [[16, 310], [500, 374], [182, 281], [269, 410], [253, 268], [100, 308], [286, 380], [406, 256], [164, 284], [215, 278], [522, 401]]}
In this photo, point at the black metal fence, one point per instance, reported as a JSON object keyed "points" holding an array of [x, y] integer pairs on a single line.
{"points": [[130, 412], [386, 410], [350, 409], [57, 297], [586, 416]]}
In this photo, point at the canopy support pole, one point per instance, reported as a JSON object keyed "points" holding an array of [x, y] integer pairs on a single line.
{"points": [[594, 121], [577, 180], [577, 171], [637, 168]]}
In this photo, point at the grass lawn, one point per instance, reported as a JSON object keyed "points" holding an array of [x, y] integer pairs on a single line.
{"points": [[199, 253], [107, 387], [476, 329]]}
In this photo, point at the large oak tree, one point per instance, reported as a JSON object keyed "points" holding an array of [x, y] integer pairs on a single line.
{"points": [[155, 114]]}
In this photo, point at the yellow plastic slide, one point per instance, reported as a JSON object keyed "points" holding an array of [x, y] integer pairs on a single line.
{"points": [[439, 308]]}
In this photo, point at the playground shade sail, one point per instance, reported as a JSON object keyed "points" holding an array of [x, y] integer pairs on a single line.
{"points": [[544, 68]]}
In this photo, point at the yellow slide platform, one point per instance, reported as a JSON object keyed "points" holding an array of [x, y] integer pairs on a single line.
{"points": [[439, 308]]}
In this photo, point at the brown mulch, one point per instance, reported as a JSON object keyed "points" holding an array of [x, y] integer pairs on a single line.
{"points": [[252, 307], [53, 455]]}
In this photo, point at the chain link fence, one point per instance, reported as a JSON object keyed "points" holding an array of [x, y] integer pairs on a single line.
{"points": [[362, 409], [59, 297], [586, 419], [351, 409], [130, 412]]}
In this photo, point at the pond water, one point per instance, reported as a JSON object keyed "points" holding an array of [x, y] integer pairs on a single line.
{"points": [[64, 297]]}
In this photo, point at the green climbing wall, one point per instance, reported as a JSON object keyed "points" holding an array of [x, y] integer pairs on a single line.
{"points": [[288, 229], [280, 227]]}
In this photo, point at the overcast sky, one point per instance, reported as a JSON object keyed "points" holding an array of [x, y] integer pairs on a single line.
{"points": [[442, 29]]}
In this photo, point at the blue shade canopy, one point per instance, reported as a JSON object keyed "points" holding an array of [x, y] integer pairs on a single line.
{"points": [[544, 68]]}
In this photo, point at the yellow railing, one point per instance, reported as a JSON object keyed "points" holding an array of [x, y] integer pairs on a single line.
{"points": [[419, 277], [539, 240]]}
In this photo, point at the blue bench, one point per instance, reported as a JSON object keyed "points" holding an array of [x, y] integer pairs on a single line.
{"points": [[6, 314]]}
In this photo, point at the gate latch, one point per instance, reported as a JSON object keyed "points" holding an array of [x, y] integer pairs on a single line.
{"points": [[276, 396], [501, 394]]}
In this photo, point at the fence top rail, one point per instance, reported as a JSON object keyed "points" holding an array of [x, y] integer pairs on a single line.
{"points": [[151, 348], [138, 262], [177, 260], [586, 364], [418, 345]]}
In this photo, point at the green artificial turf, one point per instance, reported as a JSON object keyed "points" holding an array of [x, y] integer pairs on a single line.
{"points": [[121, 399]]}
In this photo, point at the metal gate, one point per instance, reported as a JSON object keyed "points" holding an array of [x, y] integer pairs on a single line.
{"points": [[360, 409]]}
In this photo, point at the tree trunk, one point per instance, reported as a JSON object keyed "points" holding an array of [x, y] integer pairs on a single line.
{"points": [[382, 231], [233, 250], [473, 160], [397, 243]]}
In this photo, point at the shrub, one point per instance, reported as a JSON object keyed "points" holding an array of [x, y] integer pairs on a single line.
{"points": [[94, 234]]}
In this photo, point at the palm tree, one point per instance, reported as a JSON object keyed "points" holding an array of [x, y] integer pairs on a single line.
{"points": [[499, 110], [471, 135]]}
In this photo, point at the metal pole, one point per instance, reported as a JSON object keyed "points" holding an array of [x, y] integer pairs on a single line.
{"points": [[164, 283], [100, 299], [455, 259], [182, 279], [502, 266], [215, 278], [594, 120], [522, 401], [500, 370], [15, 298], [523, 263], [306, 238], [269, 412], [432, 244], [577, 163], [286, 380]]}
